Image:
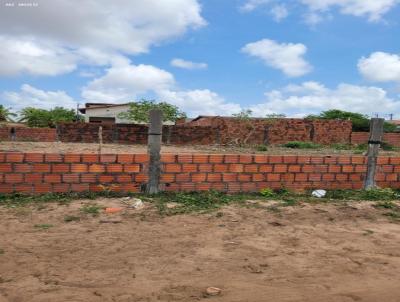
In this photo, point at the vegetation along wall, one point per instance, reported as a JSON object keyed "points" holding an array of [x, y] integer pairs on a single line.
{"points": [[42, 173]]}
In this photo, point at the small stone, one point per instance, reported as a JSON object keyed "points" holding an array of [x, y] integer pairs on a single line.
{"points": [[213, 291]]}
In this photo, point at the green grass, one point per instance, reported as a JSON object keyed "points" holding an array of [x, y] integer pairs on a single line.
{"points": [[2, 252], [70, 218], [262, 148], [44, 226], [301, 145], [92, 209]]}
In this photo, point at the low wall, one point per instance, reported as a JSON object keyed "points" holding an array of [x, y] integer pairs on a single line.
{"points": [[42, 173], [29, 134], [358, 138]]}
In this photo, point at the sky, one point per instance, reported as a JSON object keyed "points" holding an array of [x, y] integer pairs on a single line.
{"points": [[208, 57]]}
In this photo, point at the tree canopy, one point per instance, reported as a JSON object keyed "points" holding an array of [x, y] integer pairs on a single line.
{"points": [[139, 111], [5, 114], [360, 121], [34, 117]]}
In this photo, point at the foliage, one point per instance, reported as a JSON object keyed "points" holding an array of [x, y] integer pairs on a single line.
{"points": [[275, 116], [301, 145], [34, 117], [92, 209], [44, 226], [267, 192], [139, 111], [5, 114], [360, 121], [370, 194], [70, 218], [262, 148], [243, 115]]}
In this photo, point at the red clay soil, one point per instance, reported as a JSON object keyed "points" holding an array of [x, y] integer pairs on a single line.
{"points": [[330, 253]]}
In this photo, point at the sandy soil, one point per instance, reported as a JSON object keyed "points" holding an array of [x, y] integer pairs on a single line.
{"points": [[337, 253], [114, 148]]}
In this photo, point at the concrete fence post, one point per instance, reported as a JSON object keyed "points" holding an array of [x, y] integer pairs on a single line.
{"points": [[374, 142], [154, 150]]}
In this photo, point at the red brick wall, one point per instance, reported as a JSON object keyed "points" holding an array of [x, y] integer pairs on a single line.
{"points": [[358, 138], [42, 173], [29, 134]]}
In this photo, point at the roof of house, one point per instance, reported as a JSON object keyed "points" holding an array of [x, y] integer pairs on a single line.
{"points": [[99, 105]]}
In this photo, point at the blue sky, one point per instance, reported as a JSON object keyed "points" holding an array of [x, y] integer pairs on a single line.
{"points": [[207, 56]]}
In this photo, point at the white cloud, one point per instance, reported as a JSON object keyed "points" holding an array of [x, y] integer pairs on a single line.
{"points": [[279, 12], [90, 33], [180, 63], [372, 9], [287, 57], [128, 82], [380, 67], [251, 5], [313, 97], [30, 96]]}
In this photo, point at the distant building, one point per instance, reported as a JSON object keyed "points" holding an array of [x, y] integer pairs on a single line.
{"points": [[103, 113]]}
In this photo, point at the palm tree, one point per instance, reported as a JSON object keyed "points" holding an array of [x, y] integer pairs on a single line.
{"points": [[6, 114]]}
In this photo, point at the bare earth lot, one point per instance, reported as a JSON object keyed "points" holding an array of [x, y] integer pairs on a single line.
{"points": [[334, 252], [58, 147]]}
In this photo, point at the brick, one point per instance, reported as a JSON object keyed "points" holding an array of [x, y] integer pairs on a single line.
{"points": [[70, 178], [288, 177], [251, 168], [231, 159], [168, 158], [334, 168], [114, 168], [6, 188], [301, 177], [317, 160], [124, 178], [342, 177], [246, 159], [106, 178], [347, 168], [183, 177], [355, 177], [5, 168], [2, 157], [303, 159], [249, 187], [34, 157], [60, 168], [189, 168], [244, 177], [344, 160], [141, 158], [236, 168], [199, 177], [142, 178], [328, 177], [52, 178], [214, 177], [308, 168], [108, 158], [79, 168], [90, 178], [33, 178], [266, 168], [96, 188], [391, 177], [134, 168], [79, 187], [185, 158], [383, 160], [290, 159], [294, 168], [165, 178], [132, 188], [261, 159], [203, 187], [72, 158], [125, 158], [234, 187], [97, 168], [61, 188], [23, 188], [229, 177], [330, 160], [395, 160], [205, 168], [273, 177], [14, 178], [216, 159], [14, 157], [90, 158], [357, 160], [173, 168], [199, 158], [387, 168], [41, 168], [221, 168], [280, 168], [187, 187], [53, 158], [314, 177], [217, 186], [42, 188], [359, 168]]}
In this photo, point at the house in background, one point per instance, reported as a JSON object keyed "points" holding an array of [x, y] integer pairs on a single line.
{"points": [[103, 113]]}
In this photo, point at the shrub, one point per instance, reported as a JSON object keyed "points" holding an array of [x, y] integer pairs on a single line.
{"points": [[301, 145]]}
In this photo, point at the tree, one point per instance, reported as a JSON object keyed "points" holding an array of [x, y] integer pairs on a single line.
{"points": [[5, 114], [34, 117], [139, 111], [360, 121]]}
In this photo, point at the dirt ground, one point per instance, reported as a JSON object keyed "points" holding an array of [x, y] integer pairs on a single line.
{"points": [[57, 147], [320, 252]]}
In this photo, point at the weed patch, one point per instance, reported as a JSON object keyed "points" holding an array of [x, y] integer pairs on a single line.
{"points": [[44, 226], [91, 209], [301, 145]]}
